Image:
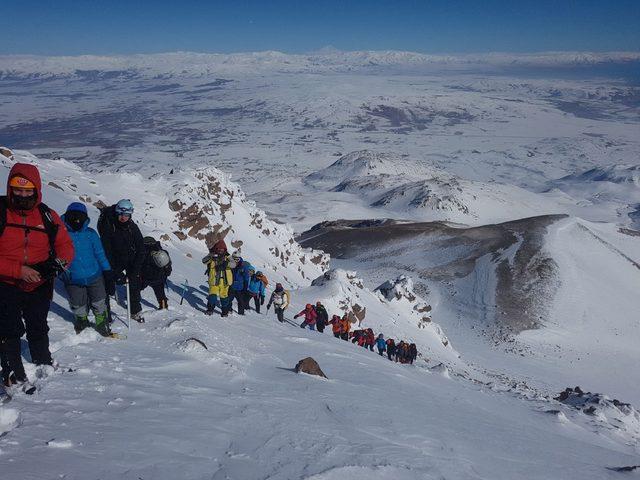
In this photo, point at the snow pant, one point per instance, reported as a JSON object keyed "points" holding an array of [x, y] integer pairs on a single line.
{"points": [[134, 291], [381, 352], [370, 346], [241, 297], [158, 291], [32, 307], [345, 336], [336, 334], [389, 354], [223, 303], [256, 301], [305, 324], [279, 313], [81, 297], [320, 327]]}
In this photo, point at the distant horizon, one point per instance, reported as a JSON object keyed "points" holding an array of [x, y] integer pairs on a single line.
{"points": [[321, 52]]}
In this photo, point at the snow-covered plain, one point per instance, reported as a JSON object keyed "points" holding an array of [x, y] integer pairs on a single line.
{"points": [[505, 315]]}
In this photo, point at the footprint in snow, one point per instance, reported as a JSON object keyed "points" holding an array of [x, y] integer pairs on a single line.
{"points": [[53, 443]]}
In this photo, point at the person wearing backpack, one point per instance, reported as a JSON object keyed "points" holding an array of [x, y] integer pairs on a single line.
{"points": [[220, 278], [256, 289], [156, 268], [381, 345], [413, 353], [84, 280], [345, 327], [34, 248], [323, 317], [391, 349], [336, 325], [280, 299], [124, 246], [310, 317], [240, 287]]}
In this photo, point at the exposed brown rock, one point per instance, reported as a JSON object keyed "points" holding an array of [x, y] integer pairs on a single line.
{"points": [[6, 152], [309, 366], [55, 185]]}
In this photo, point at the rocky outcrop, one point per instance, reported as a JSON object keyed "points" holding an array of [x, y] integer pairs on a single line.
{"points": [[208, 207], [309, 366], [6, 152]]}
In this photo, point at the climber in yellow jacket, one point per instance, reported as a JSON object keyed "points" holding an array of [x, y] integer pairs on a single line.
{"points": [[220, 280]]}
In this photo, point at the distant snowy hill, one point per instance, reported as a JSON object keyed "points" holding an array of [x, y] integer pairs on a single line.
{"points": [[198, 64], [405, 187]]}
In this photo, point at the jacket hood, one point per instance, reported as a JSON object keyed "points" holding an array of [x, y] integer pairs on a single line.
{"points": [[31, 173]]}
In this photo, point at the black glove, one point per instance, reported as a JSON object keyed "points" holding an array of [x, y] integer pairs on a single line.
{"points": [[50, 268], [108, 276]]}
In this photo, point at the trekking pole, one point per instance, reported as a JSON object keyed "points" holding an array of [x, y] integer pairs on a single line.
{"points": [[128, 305], [184, 286]]}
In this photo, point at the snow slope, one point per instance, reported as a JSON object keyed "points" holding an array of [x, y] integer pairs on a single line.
{"points": [[159, 405]]}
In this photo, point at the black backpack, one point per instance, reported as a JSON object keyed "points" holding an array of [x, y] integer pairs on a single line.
{"points": [[105, 220], [50, 226]]}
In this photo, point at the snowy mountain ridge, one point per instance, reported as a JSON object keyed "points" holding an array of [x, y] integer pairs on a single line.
{"points": [[199, 64]]}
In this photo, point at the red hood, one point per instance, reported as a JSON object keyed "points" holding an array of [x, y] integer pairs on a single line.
{"points": [[31, 173]]}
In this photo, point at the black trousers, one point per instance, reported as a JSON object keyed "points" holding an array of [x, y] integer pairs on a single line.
{"points": [[241, 298], [256, 301], [279, 314], [158, 290], [134, 291], [17, 306]]}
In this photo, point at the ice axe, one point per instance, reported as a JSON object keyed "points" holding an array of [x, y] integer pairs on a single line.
{"points": [[184, 286]]}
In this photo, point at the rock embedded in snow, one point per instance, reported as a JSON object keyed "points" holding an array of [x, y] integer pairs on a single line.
{"points": [[4, 151], [309, 366]]}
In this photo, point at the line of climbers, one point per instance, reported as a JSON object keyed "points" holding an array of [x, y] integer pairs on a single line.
{"points": [[316, 317], [231, 277], [37, 245]]}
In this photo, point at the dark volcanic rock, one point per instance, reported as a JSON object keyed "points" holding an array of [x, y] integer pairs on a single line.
{"points": [[310, 366], [526, 275]]}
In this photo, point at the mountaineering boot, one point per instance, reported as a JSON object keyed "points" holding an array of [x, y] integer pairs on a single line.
{"points": [[102, 324], [138, 317], [80, 323], [11, 360], [208, 311]]}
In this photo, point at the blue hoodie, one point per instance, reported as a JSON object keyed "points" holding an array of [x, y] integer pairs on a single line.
{"points": [[89, 261], [256, 286]]}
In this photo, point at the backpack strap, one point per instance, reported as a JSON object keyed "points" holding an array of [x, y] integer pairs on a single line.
{"points": [[50, 227], [3, 213]]}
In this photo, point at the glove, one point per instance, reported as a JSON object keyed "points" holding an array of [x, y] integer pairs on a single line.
{"points": [[262, 300], [50, 268], [108, 276], [296, 316]]}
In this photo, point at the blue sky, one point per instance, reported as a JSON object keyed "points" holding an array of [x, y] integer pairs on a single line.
{"points": [[70, 27]]}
